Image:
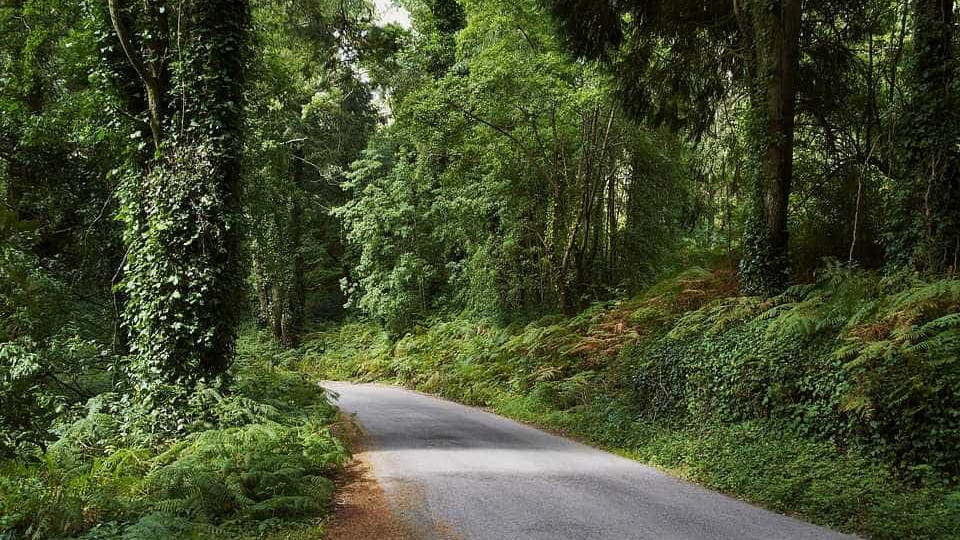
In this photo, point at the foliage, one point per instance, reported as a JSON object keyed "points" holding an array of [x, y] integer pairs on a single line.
{"points": [[309, 117], [854, 360], [261, 457], [182, 211], [799, 401], [465, 182], [58, 247], [179, 262], [510, 183]]}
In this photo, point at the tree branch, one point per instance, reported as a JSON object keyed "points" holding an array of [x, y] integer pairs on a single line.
{"points": [[149, 81]]}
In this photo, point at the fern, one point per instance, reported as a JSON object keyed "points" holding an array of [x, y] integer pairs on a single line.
{"points": [[262, 452]]}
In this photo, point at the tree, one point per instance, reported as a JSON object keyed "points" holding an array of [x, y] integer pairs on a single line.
{"points": [[929, 229], [59, 249], [182, 211], [309, 117], [511, 183], [772, 27], [666, 53]]}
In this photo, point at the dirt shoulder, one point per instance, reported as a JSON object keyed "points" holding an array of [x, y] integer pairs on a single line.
{"points": [[361, 510]]}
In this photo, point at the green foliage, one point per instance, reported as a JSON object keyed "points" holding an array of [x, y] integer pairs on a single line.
{"points": [[181, 283], [510, 182], [502, 180], [801, 402], [856, 360], [923, 206], [393, 227], [58, 247], [309, 115], [26, 409], [181, 211], [260, 458]]}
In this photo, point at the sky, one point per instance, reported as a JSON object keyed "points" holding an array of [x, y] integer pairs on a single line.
{"points": [[390, 12]]}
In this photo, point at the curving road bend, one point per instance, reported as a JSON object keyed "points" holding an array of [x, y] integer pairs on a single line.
{"points": [[455, 472]]}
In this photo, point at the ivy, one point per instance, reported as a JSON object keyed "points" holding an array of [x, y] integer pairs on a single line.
{"points": [[184, 266]]}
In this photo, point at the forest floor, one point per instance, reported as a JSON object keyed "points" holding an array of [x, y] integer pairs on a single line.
{"points": [[453, 472]]}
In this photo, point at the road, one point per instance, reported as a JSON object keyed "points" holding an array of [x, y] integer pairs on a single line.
{"points": [[452, 472]]}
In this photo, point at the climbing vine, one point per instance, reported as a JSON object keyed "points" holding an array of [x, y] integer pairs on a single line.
{"points": [[182, 213]]}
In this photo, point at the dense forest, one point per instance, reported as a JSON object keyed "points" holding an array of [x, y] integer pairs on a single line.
{"points": [[721, 236]]}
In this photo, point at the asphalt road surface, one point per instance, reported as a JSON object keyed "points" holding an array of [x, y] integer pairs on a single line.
{"points": [[457, 473]]}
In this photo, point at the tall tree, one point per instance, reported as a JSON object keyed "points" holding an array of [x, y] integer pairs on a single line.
{"points": [[512, 183], [184, 266], [930, 231], [677, 60], [772, 27], [309, 116]]}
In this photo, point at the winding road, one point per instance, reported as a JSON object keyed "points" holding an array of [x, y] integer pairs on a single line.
{"points": [[455, 472]]}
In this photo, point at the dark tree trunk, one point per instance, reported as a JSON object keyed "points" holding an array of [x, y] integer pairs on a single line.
{"points": [[276, 309], [934, 192], [612, 230], [263, 295], [776, 35], [296, 297]]}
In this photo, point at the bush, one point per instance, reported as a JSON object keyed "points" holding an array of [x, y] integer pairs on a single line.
{"points": [[261, 457], [836, 400], [853, 359]]}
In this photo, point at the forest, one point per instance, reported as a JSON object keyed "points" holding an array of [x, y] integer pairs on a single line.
{"points": [[720, 237]]}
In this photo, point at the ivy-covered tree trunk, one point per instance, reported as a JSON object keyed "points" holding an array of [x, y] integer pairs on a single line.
{"points": [[930, 225], [775, 25], [184, 271]]}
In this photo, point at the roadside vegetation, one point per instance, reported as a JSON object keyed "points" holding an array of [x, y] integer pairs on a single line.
{"points": [[722, 237], [257, 463], [799, 402]]}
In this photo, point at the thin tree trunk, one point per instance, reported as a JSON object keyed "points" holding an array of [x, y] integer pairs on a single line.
{"points": [[263, 296], [612, 229], [276, 309], [296, 301]]}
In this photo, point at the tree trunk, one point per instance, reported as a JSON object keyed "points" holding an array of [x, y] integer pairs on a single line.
{"points": [[263, 297], [184, 271], [934, 192], [765, 264], [296, 296], [276, 309], [612, 230]]}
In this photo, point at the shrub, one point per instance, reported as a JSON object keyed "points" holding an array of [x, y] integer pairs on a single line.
{"points": [[260, 457]]}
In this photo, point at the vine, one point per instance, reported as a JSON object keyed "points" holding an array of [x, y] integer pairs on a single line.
{"points": [[184, 271]]}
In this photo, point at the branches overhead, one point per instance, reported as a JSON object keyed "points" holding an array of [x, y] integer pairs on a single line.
{"points": [[151, 65]]}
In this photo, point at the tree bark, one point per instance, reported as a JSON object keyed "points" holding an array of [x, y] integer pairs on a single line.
{"points": [[263, 296], [276, 309], [776, 36], [781, 100], [932, 156], [151, 69]]}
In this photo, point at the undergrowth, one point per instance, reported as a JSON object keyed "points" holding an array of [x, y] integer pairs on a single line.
{"points": [[838, 401], [257, 465]]}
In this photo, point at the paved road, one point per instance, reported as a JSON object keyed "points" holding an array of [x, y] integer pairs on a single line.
{"points": [[454, 472]]}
